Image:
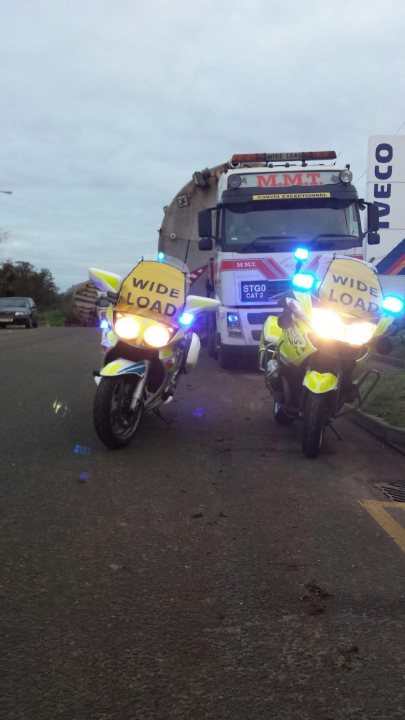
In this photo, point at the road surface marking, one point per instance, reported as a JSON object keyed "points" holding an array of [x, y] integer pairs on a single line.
{"points": [[377, 510]]}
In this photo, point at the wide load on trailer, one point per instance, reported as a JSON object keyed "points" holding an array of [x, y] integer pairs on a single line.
{"points": [[82, 305], [251, 214]]}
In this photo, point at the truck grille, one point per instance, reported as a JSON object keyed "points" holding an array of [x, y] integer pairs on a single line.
{"points": [[256, 334], [258, 318], [279, 286]]}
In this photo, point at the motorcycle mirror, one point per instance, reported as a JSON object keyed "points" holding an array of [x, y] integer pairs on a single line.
{"points": [[284, 320], [383, 346]]}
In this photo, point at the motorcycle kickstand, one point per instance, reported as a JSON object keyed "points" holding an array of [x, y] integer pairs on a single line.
{"points": [[332, 427], [160, 416]]}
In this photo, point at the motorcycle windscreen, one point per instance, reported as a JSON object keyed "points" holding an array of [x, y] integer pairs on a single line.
{"points": [[154, 290], [351, 287]]}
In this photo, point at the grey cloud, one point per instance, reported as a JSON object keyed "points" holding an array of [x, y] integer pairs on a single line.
{"points": [[108, 108]]}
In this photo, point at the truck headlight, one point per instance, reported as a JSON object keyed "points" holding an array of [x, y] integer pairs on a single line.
{"points": [[233, 324], [346, 176], [330, 326]]}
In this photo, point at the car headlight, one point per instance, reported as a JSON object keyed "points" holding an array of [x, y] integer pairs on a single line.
{"points": [[127, 327], [330, 326], [21, 313], [157, 335]]}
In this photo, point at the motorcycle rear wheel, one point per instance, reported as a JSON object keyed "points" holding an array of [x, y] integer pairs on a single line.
{"points": [[114, 421], [315, 416]]}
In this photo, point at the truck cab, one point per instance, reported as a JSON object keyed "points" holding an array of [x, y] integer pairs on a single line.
{"points": [[267, 206]]}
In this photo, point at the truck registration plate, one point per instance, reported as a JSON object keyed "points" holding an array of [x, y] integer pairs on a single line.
{"points": [[256, 290]]}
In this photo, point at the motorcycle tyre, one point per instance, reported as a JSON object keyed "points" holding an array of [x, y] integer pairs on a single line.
{"points": [[315, 413], [102, 413], [280, 415]]}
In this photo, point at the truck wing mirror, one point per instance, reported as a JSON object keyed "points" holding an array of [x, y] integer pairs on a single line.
{"points": [[205, 224], [373, 238], [205, 243], [373, 218]]}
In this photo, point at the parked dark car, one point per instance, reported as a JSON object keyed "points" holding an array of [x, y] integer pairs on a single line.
{"points": [[18, 311]]}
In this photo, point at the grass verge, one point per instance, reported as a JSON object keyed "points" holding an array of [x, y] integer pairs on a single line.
{"points": [[388, 399], [54, 317], [398, 345]]}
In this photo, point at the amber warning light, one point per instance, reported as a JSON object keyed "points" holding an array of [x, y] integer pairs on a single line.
{"points": [[277, 157]]}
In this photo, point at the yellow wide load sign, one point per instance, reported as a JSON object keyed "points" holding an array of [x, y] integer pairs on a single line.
{"points": [[153, 289], [353, 287]]}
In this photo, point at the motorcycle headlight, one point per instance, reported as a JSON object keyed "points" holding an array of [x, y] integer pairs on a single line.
{"points": [[330, 326], [157, 336], [359, 333], [127, 327]]}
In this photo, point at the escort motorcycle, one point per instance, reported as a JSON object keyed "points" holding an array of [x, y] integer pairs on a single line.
{"points": [[314, 354], [147, 343]]}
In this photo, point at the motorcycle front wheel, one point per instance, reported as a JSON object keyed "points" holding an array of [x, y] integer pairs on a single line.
{"points": [[280, 415], [315, 417], [114, 420]]}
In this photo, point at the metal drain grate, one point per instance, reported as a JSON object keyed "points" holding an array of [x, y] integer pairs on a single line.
{"points": [[393, 491]]}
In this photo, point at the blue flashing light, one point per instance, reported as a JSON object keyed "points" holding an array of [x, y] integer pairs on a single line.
{"points": [[104, 324], [161, 256], [186, 319], [304, 281], [301, 254], [393, 304]]}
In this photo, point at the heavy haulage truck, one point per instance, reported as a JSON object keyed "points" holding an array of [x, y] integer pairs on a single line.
{"points": [[237, 225]]}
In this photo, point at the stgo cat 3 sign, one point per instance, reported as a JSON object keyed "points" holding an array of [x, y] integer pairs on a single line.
{"points": [[386, 187]]}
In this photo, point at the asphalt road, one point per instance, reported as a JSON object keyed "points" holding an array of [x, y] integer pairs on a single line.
{"points": [[208, 571]]}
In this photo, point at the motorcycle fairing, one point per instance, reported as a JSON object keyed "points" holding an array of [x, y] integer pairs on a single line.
{"points": [[383, 325], [271, 330], [319, 383], [305, 301], [124, 367], [105, 281], [295, 346]]}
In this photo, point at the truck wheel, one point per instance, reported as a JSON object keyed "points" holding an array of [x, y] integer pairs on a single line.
{"points": [[315, 416], [211, 336], [226, 357]]}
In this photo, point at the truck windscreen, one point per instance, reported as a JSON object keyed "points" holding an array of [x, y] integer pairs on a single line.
{"points": [[280, 226]]}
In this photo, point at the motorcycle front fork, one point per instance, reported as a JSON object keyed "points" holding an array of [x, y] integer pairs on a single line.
{"points": [[140, 387]]}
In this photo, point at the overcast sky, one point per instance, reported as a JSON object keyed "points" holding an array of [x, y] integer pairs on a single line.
{"points": [[108, 106]]}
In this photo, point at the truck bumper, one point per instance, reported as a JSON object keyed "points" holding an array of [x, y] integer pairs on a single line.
{"points": [[251, 323]]}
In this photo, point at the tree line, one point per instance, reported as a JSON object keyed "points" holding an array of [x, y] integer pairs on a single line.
{"points": [[21, 279]]}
